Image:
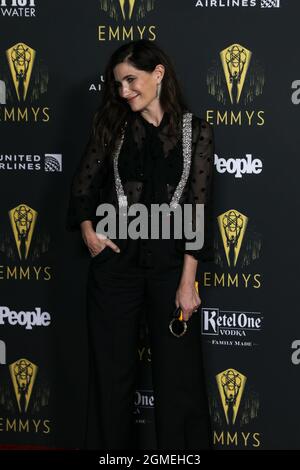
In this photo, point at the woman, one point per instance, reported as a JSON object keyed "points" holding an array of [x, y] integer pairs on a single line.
{"points": [[144, 148]]}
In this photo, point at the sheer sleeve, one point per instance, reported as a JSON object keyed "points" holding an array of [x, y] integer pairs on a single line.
{"points": [[87, 181], [200, 183]]}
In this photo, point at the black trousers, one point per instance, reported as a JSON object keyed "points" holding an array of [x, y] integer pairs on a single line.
{"points": [[117, 292]]}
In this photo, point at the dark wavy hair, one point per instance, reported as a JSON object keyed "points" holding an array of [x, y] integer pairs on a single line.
{"points": [[143, 55]]}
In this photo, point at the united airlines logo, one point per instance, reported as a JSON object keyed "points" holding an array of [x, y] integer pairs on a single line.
{"points": [[270, 3], [53, 162], [238, 4]]}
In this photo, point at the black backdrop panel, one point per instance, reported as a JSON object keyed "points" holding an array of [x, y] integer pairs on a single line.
{"points": [[237, 62]]}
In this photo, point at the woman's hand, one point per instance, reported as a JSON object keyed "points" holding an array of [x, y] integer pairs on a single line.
{"points": [[188, 299], [95, 242], [187, 296]]}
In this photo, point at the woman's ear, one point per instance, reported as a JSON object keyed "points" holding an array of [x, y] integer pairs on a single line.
{"points": [[159, 72]]}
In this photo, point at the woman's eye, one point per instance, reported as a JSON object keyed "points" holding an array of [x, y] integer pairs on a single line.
{"points": [[130, 79]]}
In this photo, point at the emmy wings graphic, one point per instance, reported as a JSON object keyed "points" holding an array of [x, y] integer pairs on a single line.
{"points": [[127, 10], [236, 77]]}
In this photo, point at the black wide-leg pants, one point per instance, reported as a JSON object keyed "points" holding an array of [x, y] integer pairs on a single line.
{"points": [[118, 290]]}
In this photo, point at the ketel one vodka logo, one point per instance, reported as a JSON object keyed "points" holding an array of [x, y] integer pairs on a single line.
{"points": [[232, 226], [127, 10], [23, 373], [23, 219], [231, 384], [229, 80]]}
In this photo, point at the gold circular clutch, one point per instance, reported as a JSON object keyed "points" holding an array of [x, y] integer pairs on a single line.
{"points": [[177, 327]]}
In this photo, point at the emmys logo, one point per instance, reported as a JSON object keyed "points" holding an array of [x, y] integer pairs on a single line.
{"points": [[20, 8], [21, 59], [2, 352], [235, 402], [127, 13], [296, 94], [231, 384], [2, 92], [238, 243], [23, 219], [238, 166], [26, 79], [235, 79], [295, 358], [23, 374], [53, 162], [232, 226], [235, 61]]}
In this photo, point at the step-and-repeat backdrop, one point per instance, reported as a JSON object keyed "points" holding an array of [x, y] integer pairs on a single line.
{"points": [[237, 61]]}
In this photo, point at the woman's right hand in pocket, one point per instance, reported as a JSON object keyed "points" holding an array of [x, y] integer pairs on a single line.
{"points": [[96, 242]]}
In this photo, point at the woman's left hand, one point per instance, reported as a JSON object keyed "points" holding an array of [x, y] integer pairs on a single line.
{"points": [[188, 299]]}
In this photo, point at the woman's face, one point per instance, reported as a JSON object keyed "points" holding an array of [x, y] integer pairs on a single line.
{"points": [[137, 87]]}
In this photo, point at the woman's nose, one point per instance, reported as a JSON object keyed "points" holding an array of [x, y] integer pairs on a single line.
{"points": [[124, 91]]}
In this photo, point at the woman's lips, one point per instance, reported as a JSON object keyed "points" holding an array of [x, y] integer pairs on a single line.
{"points": [[131, 99]]}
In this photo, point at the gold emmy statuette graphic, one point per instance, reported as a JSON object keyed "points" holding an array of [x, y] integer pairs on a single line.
{"points": [[232, 226], [21, 59], [235, 61], [231, 384], [23, 373], [23, 219]]}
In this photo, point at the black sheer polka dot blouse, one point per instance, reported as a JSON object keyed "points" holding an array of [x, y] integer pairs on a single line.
{"points": [[150, 166]]}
